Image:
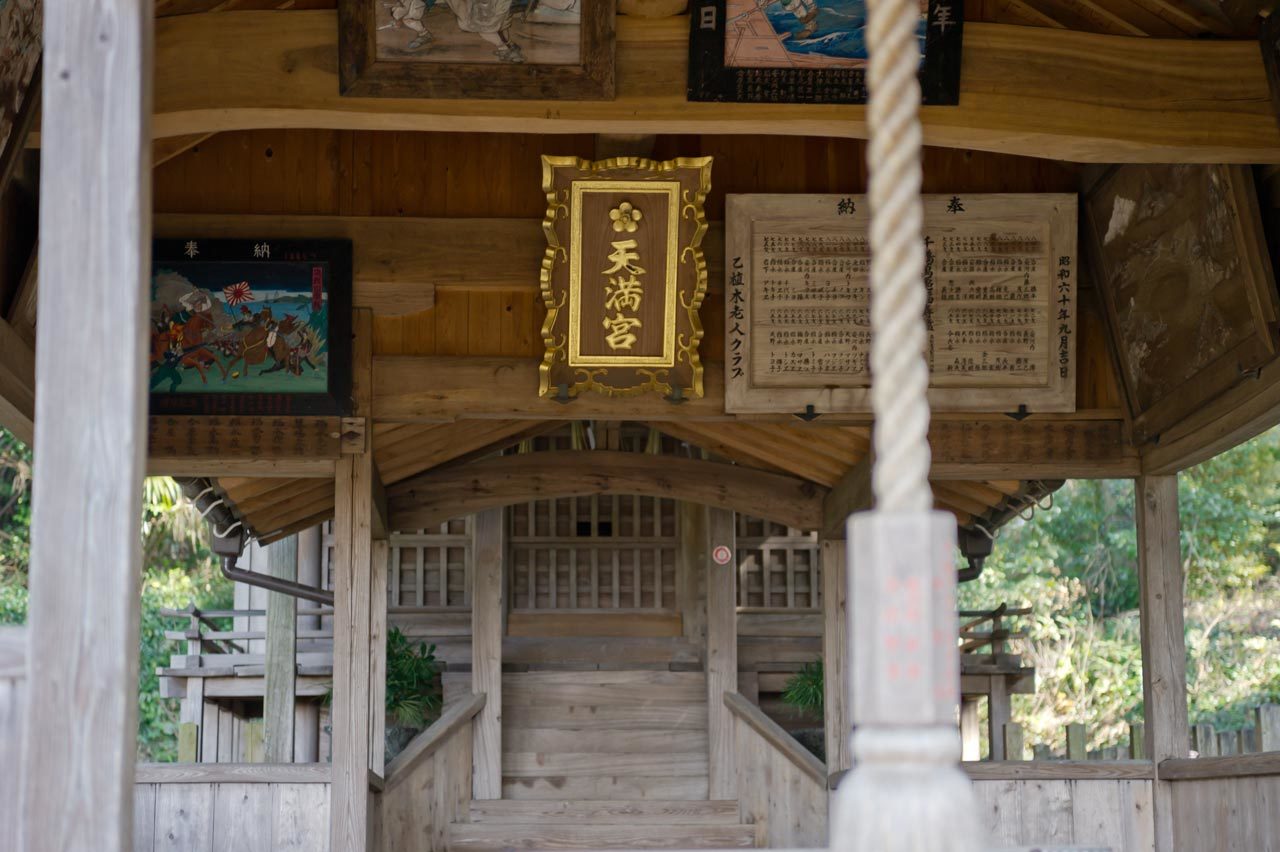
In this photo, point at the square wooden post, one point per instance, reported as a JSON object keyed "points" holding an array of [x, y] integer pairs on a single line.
{"points": [[1164, 650], [381, 557], [722, 650], [488, 604], [352, 721], [281, 669], [835, 653], [90, 440]]}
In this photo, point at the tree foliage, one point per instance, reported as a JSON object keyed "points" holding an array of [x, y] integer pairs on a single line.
{"points": [[1076, 564], [177, 569]]}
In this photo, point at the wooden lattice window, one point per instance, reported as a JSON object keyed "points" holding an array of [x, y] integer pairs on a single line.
{"points": [[430, 569], [611, 552], [778, 567]]}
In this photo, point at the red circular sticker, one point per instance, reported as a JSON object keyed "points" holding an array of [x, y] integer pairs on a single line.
{"points": [[722, 555]]}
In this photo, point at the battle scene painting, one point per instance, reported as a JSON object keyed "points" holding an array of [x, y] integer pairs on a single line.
{"points": [[512, 32], [801, 33], [253, 320]]}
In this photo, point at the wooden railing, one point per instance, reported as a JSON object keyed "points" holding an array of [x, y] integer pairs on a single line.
{"points": [[782, 788], [231, 806], [1224, 802], [987, 629], [439, 758]]}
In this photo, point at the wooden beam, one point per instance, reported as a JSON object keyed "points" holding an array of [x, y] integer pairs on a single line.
{"points": [[488, 607], [1031, 449], [17, 384], [835, 652], [380, 558], [264, 468], [380, 519], [434, 497], [80, 742], [443, 388], [851, 494], [722, 653], [1129, 99], [401, 262], [1164, 649], [281, 666], [22, 310], [164, 150]]}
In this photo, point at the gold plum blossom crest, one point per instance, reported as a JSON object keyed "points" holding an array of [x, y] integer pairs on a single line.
{"points": [[625, 218]]}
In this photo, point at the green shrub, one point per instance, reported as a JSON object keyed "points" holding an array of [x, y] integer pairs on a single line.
{"points": [[804, 690], [413, 681]]}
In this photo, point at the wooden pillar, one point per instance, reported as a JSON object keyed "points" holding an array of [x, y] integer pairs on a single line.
{"points": [[999, 714], [306, 726], [691, 569], [381, 556], [722, 650], [488, 604], [835, 653], [281, 670], [970, 737], [90, 437], [1164, 651], [352, 588]]}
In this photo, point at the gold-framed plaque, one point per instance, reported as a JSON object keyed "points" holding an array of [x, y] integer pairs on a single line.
{"points": [[1001, 272], [623, 276]]}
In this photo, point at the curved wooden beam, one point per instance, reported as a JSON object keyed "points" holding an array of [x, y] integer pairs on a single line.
{"points": [[434, 497], [1024, 90]]}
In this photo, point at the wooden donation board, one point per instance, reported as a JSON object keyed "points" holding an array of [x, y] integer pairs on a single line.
{"points": [[623, 276], [1181, 261], [1000, 273]]}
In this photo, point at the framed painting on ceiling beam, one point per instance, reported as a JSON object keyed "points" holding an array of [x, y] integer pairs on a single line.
{"points": [[497, 49]]}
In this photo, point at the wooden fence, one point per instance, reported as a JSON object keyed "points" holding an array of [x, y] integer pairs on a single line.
{"points": [[1225, 804], [242, 807]]}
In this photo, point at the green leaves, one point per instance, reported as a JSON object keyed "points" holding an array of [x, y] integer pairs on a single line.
{"points": [[804, 690], [413, 681]]}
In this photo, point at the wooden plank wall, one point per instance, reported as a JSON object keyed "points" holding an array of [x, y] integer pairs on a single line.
{"points": [[1227, 814], [1115, 814], [774, 792], [416, 808], [363, 173], [247, 817]]}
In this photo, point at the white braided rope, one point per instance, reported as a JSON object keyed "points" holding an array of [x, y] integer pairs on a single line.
{"points": [[900, 376]]}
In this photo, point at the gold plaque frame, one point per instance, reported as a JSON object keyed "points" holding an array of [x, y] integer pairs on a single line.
{"points": [[675, 265]]}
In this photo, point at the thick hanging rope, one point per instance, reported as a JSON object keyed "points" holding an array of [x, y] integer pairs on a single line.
{"points": [[900, 476], [906, 792]]}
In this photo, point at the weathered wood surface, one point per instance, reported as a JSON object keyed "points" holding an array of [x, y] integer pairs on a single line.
{"points": [[233, 773], [571, 735], [1130, 99], [1060, 770], [1226, 814], [722, 652], [1112, 814], [281, 655], [456, 716], [437, 496], [1164, 649], [1183, 328], [1234, 766], [380, 557], [13, 677], [81, 713], [352, 586], [851, 494], [780, 785], [835, 653], [231, 817], [488, 608]]}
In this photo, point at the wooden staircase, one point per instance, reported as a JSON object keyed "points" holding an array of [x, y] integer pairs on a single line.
{"points": [[603, 760], [601, 824]]}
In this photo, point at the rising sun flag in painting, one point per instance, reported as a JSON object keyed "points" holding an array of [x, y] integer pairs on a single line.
{"points": [[237, 294]]}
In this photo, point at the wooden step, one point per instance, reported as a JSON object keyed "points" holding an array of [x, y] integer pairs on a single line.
{"points": [[473, 837], [604, 811]]}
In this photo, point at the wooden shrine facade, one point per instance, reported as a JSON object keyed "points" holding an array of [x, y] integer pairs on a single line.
{"points": [[230, 124]]}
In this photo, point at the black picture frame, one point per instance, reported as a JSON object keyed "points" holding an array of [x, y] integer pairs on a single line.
{"points": [[711, 80], [332, 259]]}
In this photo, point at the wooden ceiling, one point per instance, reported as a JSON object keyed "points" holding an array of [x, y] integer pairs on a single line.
{"points": [[822, 455], [1153, 18]]}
